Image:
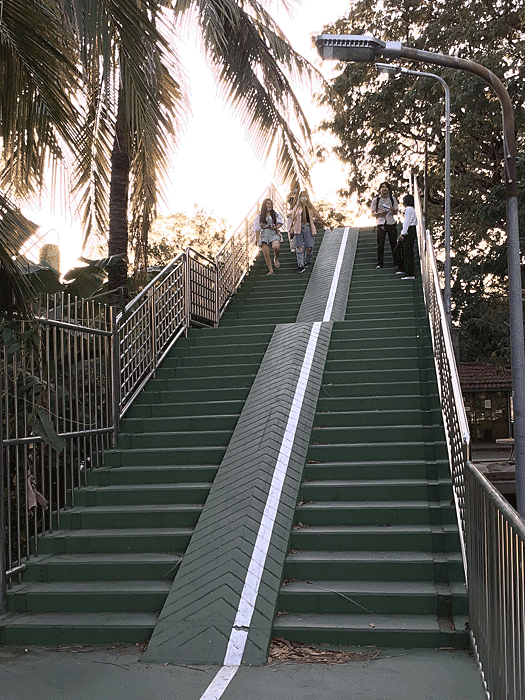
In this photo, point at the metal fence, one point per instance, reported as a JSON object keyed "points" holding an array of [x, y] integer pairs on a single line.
{"points": [[62, 395], [492, 533], [57, 417]]}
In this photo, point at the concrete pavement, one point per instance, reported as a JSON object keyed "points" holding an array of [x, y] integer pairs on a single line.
{"points": [[110, 673]]}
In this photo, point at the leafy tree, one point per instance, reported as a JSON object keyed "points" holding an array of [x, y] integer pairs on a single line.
{"points": [[335, 217], [382, 128], [170, 235]]}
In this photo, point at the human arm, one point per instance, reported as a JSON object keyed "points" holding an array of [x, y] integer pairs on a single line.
{"points": [[409, 220]]}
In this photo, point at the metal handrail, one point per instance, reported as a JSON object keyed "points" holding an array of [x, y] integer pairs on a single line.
{"points": [[492, 533], [118, 355], [454, 415], [191, 290], [56, 403]]}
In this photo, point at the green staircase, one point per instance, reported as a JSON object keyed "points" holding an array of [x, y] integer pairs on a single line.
{"points": [[374, 554], [103, 575]]}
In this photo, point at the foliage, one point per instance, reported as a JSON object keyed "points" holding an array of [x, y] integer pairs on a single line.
{"points": [[174, 233], [382, 126], [335, 217], [134, 116], [96, 85]]}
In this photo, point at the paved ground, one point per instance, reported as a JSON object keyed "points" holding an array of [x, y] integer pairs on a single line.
{"points": [[110, 673]]}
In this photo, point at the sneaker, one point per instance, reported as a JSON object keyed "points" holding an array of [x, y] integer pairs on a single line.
{"points": [[300, 269], [308, 263], [378, 267], [400, 272], [408, 277]]}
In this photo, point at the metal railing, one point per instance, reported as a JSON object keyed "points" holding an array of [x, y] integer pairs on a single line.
{"points": [[492, 533], [57, 418], [454, 415], [63, 396]]}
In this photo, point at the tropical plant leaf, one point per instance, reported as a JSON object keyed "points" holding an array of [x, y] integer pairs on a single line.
{"points": [[43, 426]]}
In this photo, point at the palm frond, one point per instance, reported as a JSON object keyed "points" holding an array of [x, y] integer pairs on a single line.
{"points": [[126, 56], [16, 293], [249, 55], [39, 72]]}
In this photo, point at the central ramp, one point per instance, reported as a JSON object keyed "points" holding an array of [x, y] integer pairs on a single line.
{"points": [[221, 606]]}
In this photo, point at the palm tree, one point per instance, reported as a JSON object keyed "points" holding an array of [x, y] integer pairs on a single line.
{"points": [[39, 78], [104, 84], [136, 103]]}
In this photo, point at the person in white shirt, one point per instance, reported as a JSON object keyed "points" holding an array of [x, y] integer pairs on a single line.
{"points": [[407, 237], [266, 228], [384, 208]]}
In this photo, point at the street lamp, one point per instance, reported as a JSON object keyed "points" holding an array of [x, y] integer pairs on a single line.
{"points": [[366, 49], [398, 70]]}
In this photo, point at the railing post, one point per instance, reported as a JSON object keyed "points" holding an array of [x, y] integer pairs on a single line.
{"points": [[217, 297], [116, 374], [3, 555], [187, 288], [153, 331], [247, 245]]}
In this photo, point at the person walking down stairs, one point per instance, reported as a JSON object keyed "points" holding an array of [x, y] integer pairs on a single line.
{"points": [[303, 231], [266, 229]]}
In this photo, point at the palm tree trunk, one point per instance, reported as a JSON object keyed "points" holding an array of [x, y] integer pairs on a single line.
{"points": [[118, 207]]}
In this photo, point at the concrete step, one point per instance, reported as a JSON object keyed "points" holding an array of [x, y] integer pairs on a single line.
{"points": [[143, 494], [103, 567], [117, 540], [372, 538], [376, 597], [172, 515], [159, 440], [78, 628], [406, 631], [164, 456], [178, 424], [375, 490], [387, 469], [158, 474], [401, 512], [394, 434], [377, 451], [92, 596], [378, 418]]}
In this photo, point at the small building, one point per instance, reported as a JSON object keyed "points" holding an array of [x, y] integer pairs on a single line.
{"points": [[487, 394]]}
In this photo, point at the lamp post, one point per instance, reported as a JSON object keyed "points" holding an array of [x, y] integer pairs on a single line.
{"points": [[366, 49], [398, 70]]}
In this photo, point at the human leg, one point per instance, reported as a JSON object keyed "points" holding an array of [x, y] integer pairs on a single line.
{"points": [[267, 257], [299, 250], [381, 235], [391, 230], [309, 244], [408, 251], [276, 246], [398, 256]]}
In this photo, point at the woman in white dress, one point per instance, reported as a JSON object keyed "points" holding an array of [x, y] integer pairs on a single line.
{"points": [[266, 227]]}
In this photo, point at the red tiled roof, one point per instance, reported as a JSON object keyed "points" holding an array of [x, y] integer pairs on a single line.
{"points": [[483, 376]]}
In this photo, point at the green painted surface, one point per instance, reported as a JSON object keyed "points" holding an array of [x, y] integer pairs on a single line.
{"points": [[377, 528], [374, 555], [198, 615]]}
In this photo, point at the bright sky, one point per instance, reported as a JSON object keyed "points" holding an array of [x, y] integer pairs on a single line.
{"points": [[215, 167]]}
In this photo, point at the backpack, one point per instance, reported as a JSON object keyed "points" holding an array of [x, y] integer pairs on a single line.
{"points": [[376, 201]]}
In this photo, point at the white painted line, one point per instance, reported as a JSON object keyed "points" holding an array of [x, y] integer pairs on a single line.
{"points": [[243, 618], [335, 278], [239, 633], [219, 684]]}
